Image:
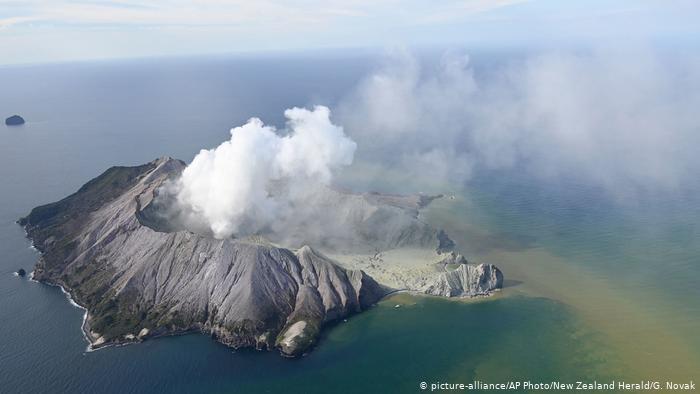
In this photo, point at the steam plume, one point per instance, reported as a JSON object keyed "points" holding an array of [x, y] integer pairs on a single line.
{"points": [[623, 121], [251, 180]]}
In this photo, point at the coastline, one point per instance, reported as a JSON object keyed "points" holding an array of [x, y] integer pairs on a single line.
{"points": [[410, 269], [93, 346], [84, 324]]}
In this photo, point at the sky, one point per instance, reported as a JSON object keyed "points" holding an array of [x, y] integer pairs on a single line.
{"points": [[40, 31]]}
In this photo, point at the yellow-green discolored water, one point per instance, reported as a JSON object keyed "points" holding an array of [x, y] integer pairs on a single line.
{"points": [[644, 333]]}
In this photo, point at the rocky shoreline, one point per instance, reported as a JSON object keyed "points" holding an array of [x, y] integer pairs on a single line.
{"points": [[72, 301]]}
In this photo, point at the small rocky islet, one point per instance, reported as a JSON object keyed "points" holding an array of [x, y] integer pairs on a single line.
{"points": [[137, 279], [14, 120]]}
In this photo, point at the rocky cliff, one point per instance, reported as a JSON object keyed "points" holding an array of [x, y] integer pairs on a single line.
{"points": [[462, 279]]}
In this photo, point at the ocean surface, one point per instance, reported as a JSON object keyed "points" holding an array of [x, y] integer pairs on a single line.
{"points": [[597, 288]]}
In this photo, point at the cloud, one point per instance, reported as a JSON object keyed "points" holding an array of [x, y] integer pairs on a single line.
{"points": [[167, 13], [624, 121], [232, 12], [251, 182], [16, 20], [134, 28], [460, 9]]}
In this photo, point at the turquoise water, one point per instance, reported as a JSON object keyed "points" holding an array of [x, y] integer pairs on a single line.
{"points": [[598, 288]]}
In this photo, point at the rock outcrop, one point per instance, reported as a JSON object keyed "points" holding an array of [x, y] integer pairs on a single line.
{"points": [[138, 283], [21, 272], [466, 280], [14, 120]]}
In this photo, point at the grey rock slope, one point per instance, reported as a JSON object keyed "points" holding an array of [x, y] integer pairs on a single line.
{"points": [[358, 222], [136, 282]]}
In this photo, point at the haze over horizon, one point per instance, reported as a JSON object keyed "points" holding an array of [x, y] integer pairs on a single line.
{"points": [[70, 30]]}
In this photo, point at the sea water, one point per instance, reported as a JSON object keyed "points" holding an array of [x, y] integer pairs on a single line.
{"points": [[596, 290]]}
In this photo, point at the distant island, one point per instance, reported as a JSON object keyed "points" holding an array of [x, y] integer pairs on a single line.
{"points": [[14, 120], [108, 247]]}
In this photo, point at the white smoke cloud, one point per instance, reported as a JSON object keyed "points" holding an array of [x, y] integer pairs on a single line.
{"points": [[625, 121], [251, 181]]}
